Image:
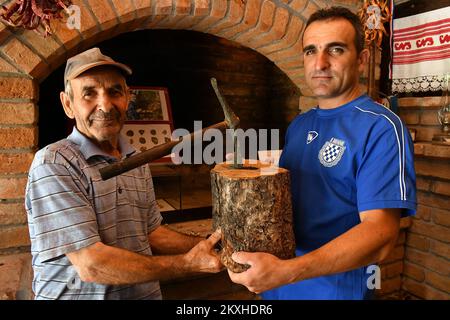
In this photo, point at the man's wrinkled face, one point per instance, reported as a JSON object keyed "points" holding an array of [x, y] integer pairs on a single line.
{"points": [[332, 64], [100, 101]]}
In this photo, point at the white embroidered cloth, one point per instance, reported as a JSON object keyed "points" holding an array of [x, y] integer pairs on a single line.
{"points": [[421, 51]]}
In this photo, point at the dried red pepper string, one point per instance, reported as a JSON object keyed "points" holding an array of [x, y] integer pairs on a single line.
{"points": [[30, 14]]}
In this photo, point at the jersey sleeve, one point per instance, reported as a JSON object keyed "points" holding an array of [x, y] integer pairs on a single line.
{"points": [[386, 177], [60, 215]]}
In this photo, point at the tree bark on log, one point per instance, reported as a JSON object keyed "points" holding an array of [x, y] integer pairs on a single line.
{"points": [[253, 208]]}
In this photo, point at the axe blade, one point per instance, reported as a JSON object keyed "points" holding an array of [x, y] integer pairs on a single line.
{"points": [[231, 119]]}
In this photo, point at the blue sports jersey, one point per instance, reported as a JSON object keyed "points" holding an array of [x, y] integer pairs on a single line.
{"points": [[343, 161]]}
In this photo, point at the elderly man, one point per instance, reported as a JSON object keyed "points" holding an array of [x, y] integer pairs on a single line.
{"points": [[94, 239], [352, 175]]}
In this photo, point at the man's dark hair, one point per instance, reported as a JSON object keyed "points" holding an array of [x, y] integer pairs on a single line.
{"points": [[334, 13]]}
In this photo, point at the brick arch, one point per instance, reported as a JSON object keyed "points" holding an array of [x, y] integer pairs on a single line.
{"points": [[271, 27]]}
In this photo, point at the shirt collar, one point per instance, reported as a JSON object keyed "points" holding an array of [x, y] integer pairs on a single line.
{"points": [[341, 108], [89, 149]]}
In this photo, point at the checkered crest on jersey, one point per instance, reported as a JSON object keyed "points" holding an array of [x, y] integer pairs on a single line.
{"points": [[331, 152]]}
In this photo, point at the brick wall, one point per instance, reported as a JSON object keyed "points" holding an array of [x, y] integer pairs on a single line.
{"points": [[427, 272], [18, 141], [427, 252], [421, 114], [271, 27], [426, 266], [392, 267]]}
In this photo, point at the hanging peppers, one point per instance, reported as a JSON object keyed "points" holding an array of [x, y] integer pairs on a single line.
{"points": [[373, 14], [30, 14]]}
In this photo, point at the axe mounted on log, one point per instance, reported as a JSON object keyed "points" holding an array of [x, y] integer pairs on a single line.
{"points": [[231, 122]]}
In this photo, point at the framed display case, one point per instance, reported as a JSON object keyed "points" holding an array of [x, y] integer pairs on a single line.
{"points": [[149, 119]]}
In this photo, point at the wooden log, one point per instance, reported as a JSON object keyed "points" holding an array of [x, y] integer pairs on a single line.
{"points": [[252, 206]]}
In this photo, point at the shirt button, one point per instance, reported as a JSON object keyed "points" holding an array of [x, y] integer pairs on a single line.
{"points": [[119, 190]]}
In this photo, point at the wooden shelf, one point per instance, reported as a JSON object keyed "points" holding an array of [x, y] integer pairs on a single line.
{"points": [[428, 149], [189, 214], [201, 227], [420, 102], [163, 171]]}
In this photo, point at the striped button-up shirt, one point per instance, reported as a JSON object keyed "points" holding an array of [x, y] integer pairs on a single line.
{"points": [[69, 207]]}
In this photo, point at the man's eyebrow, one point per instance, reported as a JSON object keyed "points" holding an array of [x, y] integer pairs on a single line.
{"points": [[337, 44], [118, 87], [88, 88], [328, 45], [309, 47]]}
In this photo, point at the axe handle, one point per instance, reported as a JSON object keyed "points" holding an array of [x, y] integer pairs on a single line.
{"points": [[152, 154]]}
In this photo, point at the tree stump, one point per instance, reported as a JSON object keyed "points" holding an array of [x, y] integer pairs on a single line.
{"points": [[252, 206]]}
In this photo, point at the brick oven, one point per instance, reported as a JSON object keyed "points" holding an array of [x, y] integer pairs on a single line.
{"points": [[267, 33]]}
